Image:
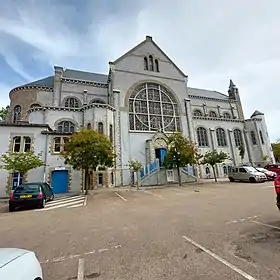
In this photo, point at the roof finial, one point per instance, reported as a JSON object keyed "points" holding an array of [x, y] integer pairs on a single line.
{"points": [[231, 84]]}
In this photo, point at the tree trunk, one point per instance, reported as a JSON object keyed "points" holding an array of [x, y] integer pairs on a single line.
{"points": [[86, 181], [179, 176], [214, 172], [137, 179]]}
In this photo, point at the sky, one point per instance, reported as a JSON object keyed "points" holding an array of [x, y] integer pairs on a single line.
{"points": [[212, 41]]}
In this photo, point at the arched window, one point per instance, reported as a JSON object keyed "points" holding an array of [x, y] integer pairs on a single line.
{"points": [[16, 114], [97, 101], [100, 128], [207, 170], [152, 107], [26, 143], [197, 113], [212, 114], [151, 62], [237, 137], [227, 116], [16, 144], [66, 126], [157, 66], [253, 137], [35, 105], [221, 137], [89, 126], [261, 136], [146, 63], [100, 179], [202, 138], [71, 102]]}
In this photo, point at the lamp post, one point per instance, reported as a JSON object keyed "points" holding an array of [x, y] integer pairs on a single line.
{"points": [[176, 158]]}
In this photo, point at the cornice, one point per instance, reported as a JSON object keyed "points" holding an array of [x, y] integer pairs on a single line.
{"points": [[43, 88], [217, 119], [80, 109], [211, 99], [83, 82]]}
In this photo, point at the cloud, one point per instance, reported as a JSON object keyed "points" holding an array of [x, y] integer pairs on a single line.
{"points": [[211, 41]]}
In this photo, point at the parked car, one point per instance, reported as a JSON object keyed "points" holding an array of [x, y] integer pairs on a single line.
{"points": [[30, 194], [274, 168], [246, 173], [277, 191], [269, 174], [19, 264]]}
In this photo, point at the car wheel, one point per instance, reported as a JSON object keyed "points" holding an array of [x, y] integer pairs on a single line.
{"points": [[252, 180], [43, 202], [231, 179], [11, 208]]}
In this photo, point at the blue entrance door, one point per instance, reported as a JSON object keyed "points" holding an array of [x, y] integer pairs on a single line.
{"points": [[60, 181], [160, 155]]}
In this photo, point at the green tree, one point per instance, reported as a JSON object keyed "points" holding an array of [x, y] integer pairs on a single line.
{"points": [[87, 150], [3, 112], [276, 150], [212, 158], [241, 149], [179, 153], [136, 166], [21, 162]]}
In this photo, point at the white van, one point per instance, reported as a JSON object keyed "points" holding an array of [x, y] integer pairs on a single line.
{"points": [[246, 173]]}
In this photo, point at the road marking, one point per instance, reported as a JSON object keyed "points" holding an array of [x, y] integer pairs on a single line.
{"points": [[159, 196], [179, 191], [63, 258], [221, 260], [77, 205], [85, 201], [241, 220], [61, 201], [81, 269], [121, 197], [266, 225], [4, 206], [268, 187]]}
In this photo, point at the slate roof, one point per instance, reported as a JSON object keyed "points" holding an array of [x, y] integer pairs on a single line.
{"points": [[86, 76], [48, 82], [257, 113], [206, 93]]}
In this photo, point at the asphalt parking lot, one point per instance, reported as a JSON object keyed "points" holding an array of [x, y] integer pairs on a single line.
{"points": [[212, 231]]}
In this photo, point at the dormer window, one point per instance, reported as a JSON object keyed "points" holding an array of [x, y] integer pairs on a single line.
{"points": [[151, 64]]}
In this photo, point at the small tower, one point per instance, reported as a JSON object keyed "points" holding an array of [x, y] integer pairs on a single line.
{"points": [[233, 94]]}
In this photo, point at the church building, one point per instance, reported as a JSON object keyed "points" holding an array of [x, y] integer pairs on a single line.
{"points": [[142, 99]]}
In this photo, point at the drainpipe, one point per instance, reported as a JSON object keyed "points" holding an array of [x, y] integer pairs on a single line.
{"points": [[45, 156]]}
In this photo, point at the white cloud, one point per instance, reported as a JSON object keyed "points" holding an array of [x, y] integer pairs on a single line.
{"points": [[211, 41]]}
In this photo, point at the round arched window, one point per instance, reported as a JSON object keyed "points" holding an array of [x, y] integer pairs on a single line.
{"points": [[152, 107]]}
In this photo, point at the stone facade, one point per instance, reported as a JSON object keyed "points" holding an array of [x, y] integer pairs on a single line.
{"points": [[144, 97]]}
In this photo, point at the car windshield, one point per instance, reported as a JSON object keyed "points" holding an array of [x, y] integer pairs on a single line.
{"points": [[27, 189], [261, 169], [250, 169]]}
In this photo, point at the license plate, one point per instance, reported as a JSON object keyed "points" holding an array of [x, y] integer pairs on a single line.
{"points": [[26, 196]]}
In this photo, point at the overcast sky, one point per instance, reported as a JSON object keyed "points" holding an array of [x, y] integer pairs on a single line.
{"points": [[210, 40]]}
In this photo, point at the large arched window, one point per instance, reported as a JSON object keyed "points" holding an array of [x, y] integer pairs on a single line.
{"points": [[71, 102], [221, 137], [66, 126], [153, 107], [16, 114], [237, 137], [197, 113], [202, 138]]}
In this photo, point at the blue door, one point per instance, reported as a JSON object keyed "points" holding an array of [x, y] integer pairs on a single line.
{"points": [[162, 156], [60, 181]]}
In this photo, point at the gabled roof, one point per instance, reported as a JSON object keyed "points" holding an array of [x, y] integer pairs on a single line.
{"points": [[85, 76], [257, 113], [206, 93], [149, 39], [48, 82]]}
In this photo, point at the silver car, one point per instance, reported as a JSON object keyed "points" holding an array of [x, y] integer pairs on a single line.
{"points": [[19, 264], [247, 174]]}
